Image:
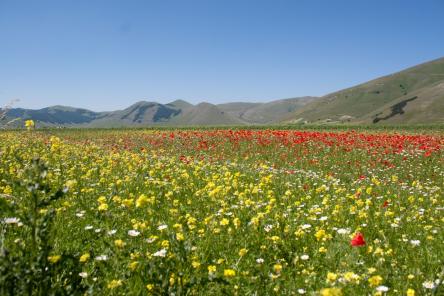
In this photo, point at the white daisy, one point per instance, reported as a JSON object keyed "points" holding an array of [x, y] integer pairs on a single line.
{"points": [[429, 285], [133, 232], [161, 253], [101, 258], [382, 289], [162, 227], [268, 227], [415, 242], [12, 220], [343, 231], [112, 232], [306, 226]]}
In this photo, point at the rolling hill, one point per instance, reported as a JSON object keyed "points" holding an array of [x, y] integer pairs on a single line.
{"points": [[177, 113], [415, 95], [411, 96]]}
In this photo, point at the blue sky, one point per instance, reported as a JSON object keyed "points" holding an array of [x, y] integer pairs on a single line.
{"points": [[106, 55]]}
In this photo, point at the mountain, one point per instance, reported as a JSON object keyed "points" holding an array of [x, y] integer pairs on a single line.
{"points": [[139, 114], [176, 113], [411, 96], [415, 95], [55, 115]]}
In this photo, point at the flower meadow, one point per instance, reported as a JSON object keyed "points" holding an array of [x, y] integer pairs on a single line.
{"points": [[221, 212]]}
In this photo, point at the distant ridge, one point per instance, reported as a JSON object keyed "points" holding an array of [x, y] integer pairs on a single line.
{"points": [[411, 96], [176, 113]]}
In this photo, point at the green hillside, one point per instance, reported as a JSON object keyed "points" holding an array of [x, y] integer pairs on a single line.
{"points": [[204, 114], [274, 111], [415, 95]]}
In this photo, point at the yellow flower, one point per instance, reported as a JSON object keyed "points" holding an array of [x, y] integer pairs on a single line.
{"points": [[242, 252], [351, 277], [375, 280], [275, 238], [29, 124], [331, 292], [150, 287], [331, 277], [277, 268], [211, 269], [410, 292], [114, 284], [224, 222], [70, 183], [320, 234], [141, 201], [85, 257], [195, 264], [236, 222], [165, 244], [54, 259], [101, 199], [128, 202], [229, 272], [180, 236], [133, 265], [103, 207], [119, 243]]}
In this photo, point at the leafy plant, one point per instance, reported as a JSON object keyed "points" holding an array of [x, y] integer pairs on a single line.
{"points": [[26, 263]]}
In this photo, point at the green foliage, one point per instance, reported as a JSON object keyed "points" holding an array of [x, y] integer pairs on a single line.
{"points": [[26, 264]]}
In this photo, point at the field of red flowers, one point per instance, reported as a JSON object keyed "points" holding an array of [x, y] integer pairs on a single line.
{"points": [[222, 212]]}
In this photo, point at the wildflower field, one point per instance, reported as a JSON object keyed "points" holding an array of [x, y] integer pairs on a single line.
{"points": [[221, 212]]}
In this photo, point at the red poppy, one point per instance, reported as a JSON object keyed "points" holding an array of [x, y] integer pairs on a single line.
{"points": [[358, 240], [386, 203]]}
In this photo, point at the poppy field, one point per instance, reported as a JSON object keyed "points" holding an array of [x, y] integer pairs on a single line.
{"points": [[221, 212]]}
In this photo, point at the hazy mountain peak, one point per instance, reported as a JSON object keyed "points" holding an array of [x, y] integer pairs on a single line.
{"points": [[180, 104]]}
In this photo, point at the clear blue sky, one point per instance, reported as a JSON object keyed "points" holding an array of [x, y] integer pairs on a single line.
{"points": [[105, 55]]}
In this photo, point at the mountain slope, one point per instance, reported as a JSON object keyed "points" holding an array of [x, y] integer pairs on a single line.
{"points": [[204, 114], [139, 114], [176, 113], [414, 95], [273, 111], [55, 115]]}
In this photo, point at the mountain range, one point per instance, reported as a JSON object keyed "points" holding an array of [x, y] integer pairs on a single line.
{"points": [[412, 96]]}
